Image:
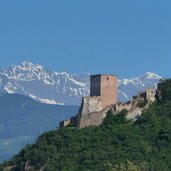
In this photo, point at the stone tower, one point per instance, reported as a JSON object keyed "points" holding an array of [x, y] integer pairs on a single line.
{"points": [[93, 109], [105, 86]]}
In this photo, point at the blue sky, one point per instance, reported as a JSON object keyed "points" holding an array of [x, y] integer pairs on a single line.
{"points": [[127, 38]]}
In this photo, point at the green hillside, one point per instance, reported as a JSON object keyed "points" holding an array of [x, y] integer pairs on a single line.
{"points": [[118, 144]]}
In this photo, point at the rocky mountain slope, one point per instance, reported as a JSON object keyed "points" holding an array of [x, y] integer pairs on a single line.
{"points": [[44, 85], [51, 87]]}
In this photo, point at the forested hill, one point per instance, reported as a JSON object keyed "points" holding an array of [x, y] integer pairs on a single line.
{"points": [[117, 144]]}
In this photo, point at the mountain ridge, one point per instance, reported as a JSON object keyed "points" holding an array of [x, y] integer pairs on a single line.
{"points": [[62, 88]]}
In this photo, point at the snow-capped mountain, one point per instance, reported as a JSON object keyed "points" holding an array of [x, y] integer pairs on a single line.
{"points": [[130, 87], [51, 87], [44, 85]]}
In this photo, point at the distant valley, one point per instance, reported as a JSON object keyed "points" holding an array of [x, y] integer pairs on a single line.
{"points": [[23, 119]]}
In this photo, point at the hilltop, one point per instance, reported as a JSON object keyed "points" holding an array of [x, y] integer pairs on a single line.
{"points": [[117, 144]]}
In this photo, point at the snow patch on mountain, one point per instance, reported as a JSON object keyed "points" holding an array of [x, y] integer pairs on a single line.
{"points": [[10, 88], [51, 87], [48, 101], [130, 87]]}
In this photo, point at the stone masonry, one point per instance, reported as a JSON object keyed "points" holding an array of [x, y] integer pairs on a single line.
{"points": [[103, 94], [103, 97], [105, 86]]}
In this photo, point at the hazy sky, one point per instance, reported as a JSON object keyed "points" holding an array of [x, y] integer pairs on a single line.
{"points": [[123, 37]]}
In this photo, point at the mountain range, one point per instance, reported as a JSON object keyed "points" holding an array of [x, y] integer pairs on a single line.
{"points": [[46, 86], [35, 99]]}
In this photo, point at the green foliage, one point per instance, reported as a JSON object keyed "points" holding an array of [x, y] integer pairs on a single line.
{"points": [[164, 88], [141, 104], [116, 145]]}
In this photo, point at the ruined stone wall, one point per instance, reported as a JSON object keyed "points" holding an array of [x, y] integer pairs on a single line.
{"points": [[64, 123], [134, 112], [91, 119], [122, 106], [71, 121], [150, 94], [89, 105]]}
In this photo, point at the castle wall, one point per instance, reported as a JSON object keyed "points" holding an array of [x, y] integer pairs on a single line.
{"points": [[71, 121], [89, 105], [120, 107], [150, 94], [91, 119], [64, 123]]}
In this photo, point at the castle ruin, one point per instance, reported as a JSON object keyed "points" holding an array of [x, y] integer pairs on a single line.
{"points": [[103, 97], [103, 94]]}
